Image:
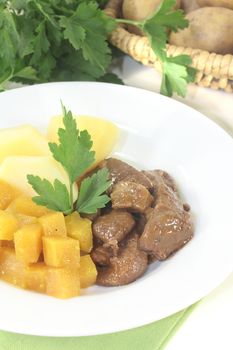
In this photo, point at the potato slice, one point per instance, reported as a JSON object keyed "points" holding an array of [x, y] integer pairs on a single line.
{"points": [[61, 252], [8, 225], [22, 140], [87, 271], [45, 167], [28, 243], [80, 229], [104, 134], [62, 282], [53, 224]]}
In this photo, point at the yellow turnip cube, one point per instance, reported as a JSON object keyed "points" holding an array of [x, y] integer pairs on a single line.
{"points": [[8, 225], [62, 282], [28, 243], [11, 269], [8, 244], [25, 205], [25, 219], [35, 277], [61, 251], [87, 271], [80, 229], [7, 194], [53, 224]]}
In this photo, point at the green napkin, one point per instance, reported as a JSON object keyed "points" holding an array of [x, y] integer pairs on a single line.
{"points": [[150, 337]]}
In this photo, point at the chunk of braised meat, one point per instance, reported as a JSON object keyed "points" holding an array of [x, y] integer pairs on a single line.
{"points": [[169, 226], [151, 258], [121, 171], [167, 178], [164, 193], [131, 196], [101, 255], [126, 267], [113, 226], [186, 207]]}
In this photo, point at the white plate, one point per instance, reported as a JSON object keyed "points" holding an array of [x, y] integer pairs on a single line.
{"points": [[157, 132]]}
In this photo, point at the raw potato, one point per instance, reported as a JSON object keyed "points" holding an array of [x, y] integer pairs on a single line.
{"points": [[210, 28], [216, 3], [138, 10], [189, 5]]}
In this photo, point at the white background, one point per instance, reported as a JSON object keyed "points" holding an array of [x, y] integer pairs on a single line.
{"points": [[210, 326]]}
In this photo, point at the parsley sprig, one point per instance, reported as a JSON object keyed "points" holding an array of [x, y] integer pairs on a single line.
{"points": [[65, 40], [74, 152], [176, 71]]}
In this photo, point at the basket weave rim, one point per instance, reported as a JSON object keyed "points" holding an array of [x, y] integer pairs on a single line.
{"points": [[214, 70]]}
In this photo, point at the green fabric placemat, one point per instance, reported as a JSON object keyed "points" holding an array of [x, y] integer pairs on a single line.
{"points": [[151, 337]]}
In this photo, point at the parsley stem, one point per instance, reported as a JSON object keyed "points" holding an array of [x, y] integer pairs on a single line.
{"points": [[71, 195], [128, 21], [63, 10]]}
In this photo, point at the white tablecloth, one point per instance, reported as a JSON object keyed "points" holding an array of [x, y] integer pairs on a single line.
{"points": [[210, 326]]}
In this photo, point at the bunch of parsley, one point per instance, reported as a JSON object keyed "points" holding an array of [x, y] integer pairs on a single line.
{"points": [[65, 40]]}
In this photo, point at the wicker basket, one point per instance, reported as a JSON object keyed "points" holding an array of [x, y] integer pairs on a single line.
{"points": [[214, 71]]}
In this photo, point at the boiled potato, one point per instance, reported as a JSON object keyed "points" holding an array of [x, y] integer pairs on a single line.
{"points": [[23, 140], [104, 134], [189, 5], [210, 28], [14, 170], [216, 3], [138, 10]]}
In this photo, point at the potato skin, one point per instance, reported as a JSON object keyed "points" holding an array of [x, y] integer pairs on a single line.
{"points": [[216, 3], [139, 9], [210, 28], [189, 5]]}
